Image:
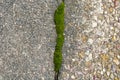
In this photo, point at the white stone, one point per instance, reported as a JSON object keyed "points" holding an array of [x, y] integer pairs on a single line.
{"points": [[86, 59], [43, 78], [39, 46], [111, 28], [94, 24], [102, 72], [105, 12], [109, 0], [116, 18], [68, 51], [95, 17], [108, 73], [21, 26], [73, 77], [87, 52], [90, 41], [31, 0], [24, 53], [99, 33], [73, 60], [118, 56], [90, 56], [116, 61]]}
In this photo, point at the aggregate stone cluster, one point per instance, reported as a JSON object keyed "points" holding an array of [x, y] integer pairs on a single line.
{"points": [[92, 40]]}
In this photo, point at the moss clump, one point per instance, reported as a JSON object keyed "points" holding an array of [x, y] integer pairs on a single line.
{"points": [[59, 19], [59, 41], [59, 22]]}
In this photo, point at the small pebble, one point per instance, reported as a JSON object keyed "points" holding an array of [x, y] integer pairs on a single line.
{"points": [[111, 76], [90, 56], [111, 9], [116, 61], [72, 77], [90, 41], [87, 52], [108, 73], [94, 24], [73, 60]]}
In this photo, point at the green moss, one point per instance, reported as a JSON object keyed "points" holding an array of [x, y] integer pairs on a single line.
{"points": [[59, 18], [57, 60], [59, 41], [59, 22]]}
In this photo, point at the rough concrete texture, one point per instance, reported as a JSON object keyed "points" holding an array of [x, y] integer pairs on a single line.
{"points": [[92, 40], [27, 39]]}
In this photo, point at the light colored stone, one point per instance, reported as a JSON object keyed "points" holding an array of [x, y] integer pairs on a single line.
{"points": [[94, 24], [111, 54], [90, 41], [110, 9], [116, 61], [89, 57], [102, 72], [1, 62], [43, 78], [105, 12], [73, 60], [1, 1], [108, 73], [87, 52], [24, 53], [112, 28], [65, 74], [111, 76], [73, 77], [95, 17], [118, 56], [1, 78], [110, 0]]}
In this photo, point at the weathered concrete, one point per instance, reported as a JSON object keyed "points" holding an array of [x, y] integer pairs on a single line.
{"points": [[27, 39]]}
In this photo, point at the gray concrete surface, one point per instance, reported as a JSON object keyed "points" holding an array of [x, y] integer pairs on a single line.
{"points": [[27, 39]]}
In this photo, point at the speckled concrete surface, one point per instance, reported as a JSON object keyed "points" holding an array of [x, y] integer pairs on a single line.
{"points": [[92, 40], [27, 39], [92, 44]]}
